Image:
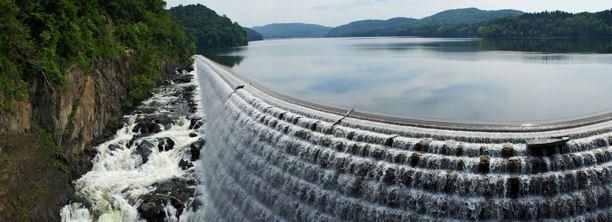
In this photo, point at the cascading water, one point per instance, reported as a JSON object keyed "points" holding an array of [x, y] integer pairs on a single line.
{"points": [[268, 159], [146, 170]]}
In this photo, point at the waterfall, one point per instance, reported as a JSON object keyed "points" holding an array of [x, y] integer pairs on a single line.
{"points": [[148, 166], [271, 159]]}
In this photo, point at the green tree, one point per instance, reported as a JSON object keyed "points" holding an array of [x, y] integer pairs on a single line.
{"points": [[41, 39], [550, 24], [210, 30]]}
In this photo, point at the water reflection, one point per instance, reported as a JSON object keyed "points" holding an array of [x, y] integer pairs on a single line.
{"points": [[228, 57], [559, 45], [450, 79], [556, 45]]}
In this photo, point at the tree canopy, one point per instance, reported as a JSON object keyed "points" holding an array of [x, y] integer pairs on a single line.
{"points": [[551, 24], [252, 34], [41, 39], [449, 23], [210, 30], [472, 22], [371, 28]]}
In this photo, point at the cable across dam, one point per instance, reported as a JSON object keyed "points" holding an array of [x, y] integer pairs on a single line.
{"points": [[270, 157]]}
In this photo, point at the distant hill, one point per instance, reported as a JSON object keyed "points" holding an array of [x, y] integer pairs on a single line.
{"points": [[210, 30], [371, 27], [466, 16], [292, 30], [449, 23], [550, 24], [252, 34]]}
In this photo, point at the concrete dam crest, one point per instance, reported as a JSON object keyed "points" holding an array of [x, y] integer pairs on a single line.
{"points": [[270, 157]]}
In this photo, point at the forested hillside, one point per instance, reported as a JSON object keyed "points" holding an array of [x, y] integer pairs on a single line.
{"points": [[41, 39], [292, 30], [466, 16], [551, 24], [371, 27], [68, 68], [252, 34], [210, 30], [472, 22], [450, 23]]}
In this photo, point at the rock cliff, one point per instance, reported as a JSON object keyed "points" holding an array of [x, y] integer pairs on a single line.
{"points": [[47, 137]]}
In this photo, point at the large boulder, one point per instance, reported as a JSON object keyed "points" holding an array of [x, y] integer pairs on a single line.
{"points": [[177, 192], [152, 124], [184, 68], [113, 147], [195, 149], [152, 209], [147, 128], [188, 92], [196, 123], [182, 79], [109, 131], [188, 95], [184, 164], [165, 144], [144, 149]]}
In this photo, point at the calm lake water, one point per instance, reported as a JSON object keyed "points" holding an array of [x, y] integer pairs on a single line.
{"points": [[468, 80]]}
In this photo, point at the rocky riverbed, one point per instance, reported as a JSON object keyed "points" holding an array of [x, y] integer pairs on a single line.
{"points": [[145, 171]]}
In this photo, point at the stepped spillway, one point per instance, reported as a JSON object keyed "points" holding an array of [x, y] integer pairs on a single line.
{"points": [[270, 157]]}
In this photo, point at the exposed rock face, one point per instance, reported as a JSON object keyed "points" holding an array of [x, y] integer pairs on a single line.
{"points": [[17, 121], [71, 116]]}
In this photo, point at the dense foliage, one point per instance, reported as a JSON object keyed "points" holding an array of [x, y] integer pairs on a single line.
{"points": [[371, 28], [211, 31], [252, 34], [292, 30], [551, 24], [450, 23], [472, 22], [442, 30], [466, 16], [41, 39]]}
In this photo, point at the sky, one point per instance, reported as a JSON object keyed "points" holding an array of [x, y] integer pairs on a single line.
{"points": [[251, 13]]}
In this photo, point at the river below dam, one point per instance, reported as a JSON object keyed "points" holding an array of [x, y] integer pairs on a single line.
{"points": [[147, 171]]}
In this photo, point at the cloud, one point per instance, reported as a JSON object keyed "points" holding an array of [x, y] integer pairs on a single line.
{"points": [[348, 6]]}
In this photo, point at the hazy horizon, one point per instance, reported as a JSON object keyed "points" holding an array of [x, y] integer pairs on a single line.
{"points": [[322, 12]]}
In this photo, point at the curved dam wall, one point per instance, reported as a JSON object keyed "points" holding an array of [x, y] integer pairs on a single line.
{"points": [[271, 158]]}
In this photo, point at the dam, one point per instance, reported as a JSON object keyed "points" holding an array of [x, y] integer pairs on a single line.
{"points": [[271, 157]]}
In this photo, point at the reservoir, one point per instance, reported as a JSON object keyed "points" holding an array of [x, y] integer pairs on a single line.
{"points": [[459, 80]]}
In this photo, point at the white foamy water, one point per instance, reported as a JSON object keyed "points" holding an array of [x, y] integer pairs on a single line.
{"points": [[114, 188], [273, 160]]}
